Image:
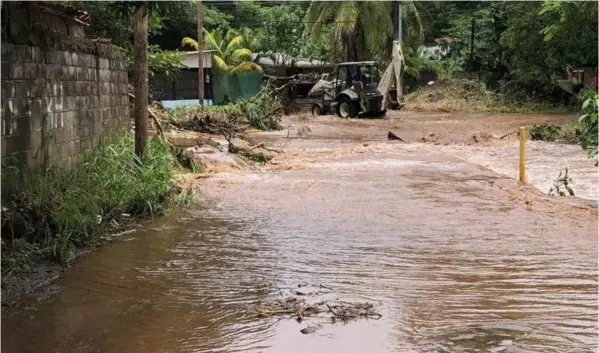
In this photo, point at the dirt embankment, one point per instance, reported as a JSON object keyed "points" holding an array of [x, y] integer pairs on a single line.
{"points": [[463, 95]]}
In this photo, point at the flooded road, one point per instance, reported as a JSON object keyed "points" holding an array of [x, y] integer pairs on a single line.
{"points": [[450, 260], [455, 256]]}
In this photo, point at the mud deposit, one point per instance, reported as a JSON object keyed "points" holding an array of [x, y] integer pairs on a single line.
{"points": [[454, 257]]}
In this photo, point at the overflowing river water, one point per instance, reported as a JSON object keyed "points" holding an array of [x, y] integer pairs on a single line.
{"points": [[450, 260]]}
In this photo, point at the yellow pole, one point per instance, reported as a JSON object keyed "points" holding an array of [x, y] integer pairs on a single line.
{"points": [[522, 155]]}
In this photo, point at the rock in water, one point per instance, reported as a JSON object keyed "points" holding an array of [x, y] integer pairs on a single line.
{"points": [[310, 329], [391, 136]]}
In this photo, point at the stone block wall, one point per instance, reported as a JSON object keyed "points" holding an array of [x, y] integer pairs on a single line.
{"points": [[57, 102]]}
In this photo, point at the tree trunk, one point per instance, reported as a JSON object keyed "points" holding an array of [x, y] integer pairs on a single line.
{"points": [[362, 52], [349, 46], [200, 13], [141, 79]]}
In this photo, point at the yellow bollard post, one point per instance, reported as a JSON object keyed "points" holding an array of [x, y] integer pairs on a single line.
{"points": [[522, 155]]}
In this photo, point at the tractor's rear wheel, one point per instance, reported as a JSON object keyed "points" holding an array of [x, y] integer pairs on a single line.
{"points": [[345, 108]]}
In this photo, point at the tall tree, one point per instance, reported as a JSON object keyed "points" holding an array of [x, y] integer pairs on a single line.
{"points": [[372, 20], [141, 78]]}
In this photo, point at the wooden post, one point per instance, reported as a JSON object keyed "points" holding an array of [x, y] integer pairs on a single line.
{"points": [[200, 13], [522, 155], [141, 78]]}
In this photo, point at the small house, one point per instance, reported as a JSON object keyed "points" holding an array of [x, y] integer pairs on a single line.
{"points": [[185, 87]]}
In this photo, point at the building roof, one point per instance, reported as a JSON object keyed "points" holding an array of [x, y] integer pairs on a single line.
{"points": [[64, 9], [102, 40], [357, 63], [280, 59], [195, 52]]}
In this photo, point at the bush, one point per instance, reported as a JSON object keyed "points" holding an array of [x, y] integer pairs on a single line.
{"points": [[54, 212], [545, 132], [587, 122]]}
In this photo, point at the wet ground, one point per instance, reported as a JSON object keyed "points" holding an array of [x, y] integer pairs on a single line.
{"points": [[456, 257]]}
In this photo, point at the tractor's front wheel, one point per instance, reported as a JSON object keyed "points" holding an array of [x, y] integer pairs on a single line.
{"points": [[317, 110]]}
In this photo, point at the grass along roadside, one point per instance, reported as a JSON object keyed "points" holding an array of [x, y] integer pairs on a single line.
{"points": [[51, 214]]}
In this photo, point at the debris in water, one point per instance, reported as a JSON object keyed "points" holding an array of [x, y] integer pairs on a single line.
{"points": [[310, 329], [296, 306]]}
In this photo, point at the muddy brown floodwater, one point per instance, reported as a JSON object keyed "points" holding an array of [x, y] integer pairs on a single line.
{"points": [[455, 257]]}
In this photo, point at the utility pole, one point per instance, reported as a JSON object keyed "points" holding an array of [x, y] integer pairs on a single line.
{"points": [[399, 22], [200, 15], [140, 38], [472, 46]]}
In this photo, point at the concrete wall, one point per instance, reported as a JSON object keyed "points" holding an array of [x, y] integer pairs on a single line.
{"points": [[56, 104], [61, 93]]}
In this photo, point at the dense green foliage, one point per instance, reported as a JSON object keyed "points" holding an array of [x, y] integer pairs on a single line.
{"points": [[587, 122], [114, 20], [520, 48], [54, 212], [524, 46]]}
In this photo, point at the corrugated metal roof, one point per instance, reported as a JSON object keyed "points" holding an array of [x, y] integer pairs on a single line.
{"points": [[264, 60], [357, 63]]}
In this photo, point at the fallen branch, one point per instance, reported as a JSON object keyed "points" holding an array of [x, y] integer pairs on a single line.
{"points": [[271, 113], [153, 116], [508, 134], [156, 121], [261, 145]]}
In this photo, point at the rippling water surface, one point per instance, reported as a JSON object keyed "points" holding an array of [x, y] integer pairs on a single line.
{"points": [[450, 261]]}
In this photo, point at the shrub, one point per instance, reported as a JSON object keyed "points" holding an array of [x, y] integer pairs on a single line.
{"points": [[53, 212], [587, 122]]}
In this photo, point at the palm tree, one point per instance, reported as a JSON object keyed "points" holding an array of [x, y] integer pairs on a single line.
{"points": [[251, 39], [372, 19], [229, 54]]}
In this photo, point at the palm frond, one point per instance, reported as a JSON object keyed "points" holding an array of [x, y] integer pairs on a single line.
{"points": [[242, 54], [212, 41], [319, 13], [219, 63], [413, 21], [233, 45], [346, 18], [246, 66], [231, 33], [377, 24], [189, 42]]}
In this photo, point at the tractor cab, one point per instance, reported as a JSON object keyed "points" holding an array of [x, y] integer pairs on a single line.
{"points": [[350, 73], [356, 90], [351, 91]]}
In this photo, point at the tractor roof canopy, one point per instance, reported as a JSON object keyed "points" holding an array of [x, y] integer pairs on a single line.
{"points": [[357, 63]]}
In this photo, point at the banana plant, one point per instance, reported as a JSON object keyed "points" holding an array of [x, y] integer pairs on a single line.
{"points": [[229, 55]]}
